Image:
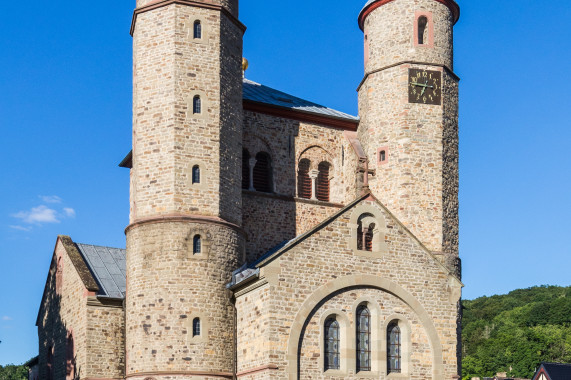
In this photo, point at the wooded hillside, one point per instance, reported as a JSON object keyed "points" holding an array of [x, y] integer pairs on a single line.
{"points": [[515, 332]]}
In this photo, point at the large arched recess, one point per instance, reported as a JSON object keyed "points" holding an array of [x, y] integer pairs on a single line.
{"points": [[314, 302]]}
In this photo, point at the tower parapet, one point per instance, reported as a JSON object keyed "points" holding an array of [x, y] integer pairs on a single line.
{"points": [[408, 104]]}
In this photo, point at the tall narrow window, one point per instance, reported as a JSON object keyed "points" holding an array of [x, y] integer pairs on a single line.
{"points": [[245, 169], [263, 173], [369, 234], [50, 363], [363, 339], [70, 358], [197, 29], [197, 245], [382, 155], [196, 105], [196, 327], [393, 348], [195, 174], [360, 236], [323, 182], [331, 354], [422, 30], [303, 180]]}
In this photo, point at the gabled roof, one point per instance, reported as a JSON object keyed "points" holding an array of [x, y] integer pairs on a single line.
{"points": [[259, 93], [109, 267], [556, 371], [251, 270]]}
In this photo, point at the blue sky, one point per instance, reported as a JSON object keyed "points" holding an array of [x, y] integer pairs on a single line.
{"points": [[65, 118]]}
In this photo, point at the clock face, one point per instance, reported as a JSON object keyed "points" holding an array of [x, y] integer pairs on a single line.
{"points": [[424, 86]]}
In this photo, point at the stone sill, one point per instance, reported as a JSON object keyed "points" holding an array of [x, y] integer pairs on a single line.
{"points": [[288, 198]]}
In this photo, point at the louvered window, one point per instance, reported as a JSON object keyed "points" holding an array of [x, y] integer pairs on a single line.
{"points": [[363, 339], [331, 354], [197, 29], [394, 348], [263, 173], [245, 169], [303, 180], [323, 182], [369, 238]]}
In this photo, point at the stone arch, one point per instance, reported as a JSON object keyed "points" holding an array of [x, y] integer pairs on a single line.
{"points": [[370, 214], [313, 302], [255, 144], [316, 154]]}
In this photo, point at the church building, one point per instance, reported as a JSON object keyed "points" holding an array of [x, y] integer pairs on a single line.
{"points": [[271, 237]]}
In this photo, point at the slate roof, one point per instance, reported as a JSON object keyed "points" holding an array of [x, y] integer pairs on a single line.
{"points": [[108, 266], [259, 93], [557, 371]]}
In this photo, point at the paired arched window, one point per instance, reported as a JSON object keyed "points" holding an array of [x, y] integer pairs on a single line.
{"points": [[196, 327], [197, 29], [331, 344], [323, 182], [394, 348], [197, 105], [245, 169], [197, 245], [363, 339], [70, 357], [195, 174], [262, 173], [303, 180], [422, 30]]}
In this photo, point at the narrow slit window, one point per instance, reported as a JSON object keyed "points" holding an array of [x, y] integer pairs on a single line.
{"points": [[422, 30], [196, 174], [197, 245], [369, 235], [394, 346], [360, 237], [196, 327], [197, 105], [197, 29], [331, 346], [363, 339], [382, 155]]}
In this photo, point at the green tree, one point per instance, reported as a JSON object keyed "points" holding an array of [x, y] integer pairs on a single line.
{"points": [[14, 372]]}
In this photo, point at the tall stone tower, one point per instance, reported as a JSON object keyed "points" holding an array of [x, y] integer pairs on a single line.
{"points": [[408, 104], [185, 236]]}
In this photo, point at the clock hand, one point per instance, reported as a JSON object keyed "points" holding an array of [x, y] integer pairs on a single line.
{"points": [[424, 89], [422, 85]]}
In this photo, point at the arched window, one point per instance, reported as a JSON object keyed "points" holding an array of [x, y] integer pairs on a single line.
{"points": [[363, 339], [323, 182], [50, 363], [382, 156], [394, 355], [303, 180], [365, 233], [196, 105], [197, 29], [331, 346], [263, 173], [70, 357], [195, 174], [245, 169], [196, 327], [422, 30], [197, 245]]}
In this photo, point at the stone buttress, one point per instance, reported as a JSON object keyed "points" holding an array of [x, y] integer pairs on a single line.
{"points": [[185, 237], [413, 146]]}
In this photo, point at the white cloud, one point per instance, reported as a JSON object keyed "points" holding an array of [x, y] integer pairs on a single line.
{"points": [[21, 228], [6, 318], [38, 215], [50, 198], [69, 212]]}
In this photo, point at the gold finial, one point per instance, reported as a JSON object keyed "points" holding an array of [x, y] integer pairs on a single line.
{"points": [[245, 64]]}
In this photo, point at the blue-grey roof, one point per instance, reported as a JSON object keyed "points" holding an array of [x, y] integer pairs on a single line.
{"points": [[109, 267], [259, 93], [557, 371]]}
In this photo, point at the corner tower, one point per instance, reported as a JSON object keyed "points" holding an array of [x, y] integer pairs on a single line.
{"points": [[408, 104], [185, 237]]}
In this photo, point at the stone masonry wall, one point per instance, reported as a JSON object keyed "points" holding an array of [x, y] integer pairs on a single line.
{"points": [[62, 313], [106, 341], [326, 261], [230, 5]]}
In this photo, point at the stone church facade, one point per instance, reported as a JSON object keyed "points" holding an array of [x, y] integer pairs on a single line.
{"points": [[269, 236]]}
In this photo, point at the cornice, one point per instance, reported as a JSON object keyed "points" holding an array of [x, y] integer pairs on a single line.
{"points": [[163, 3], [184, 218], [451, 4]]}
